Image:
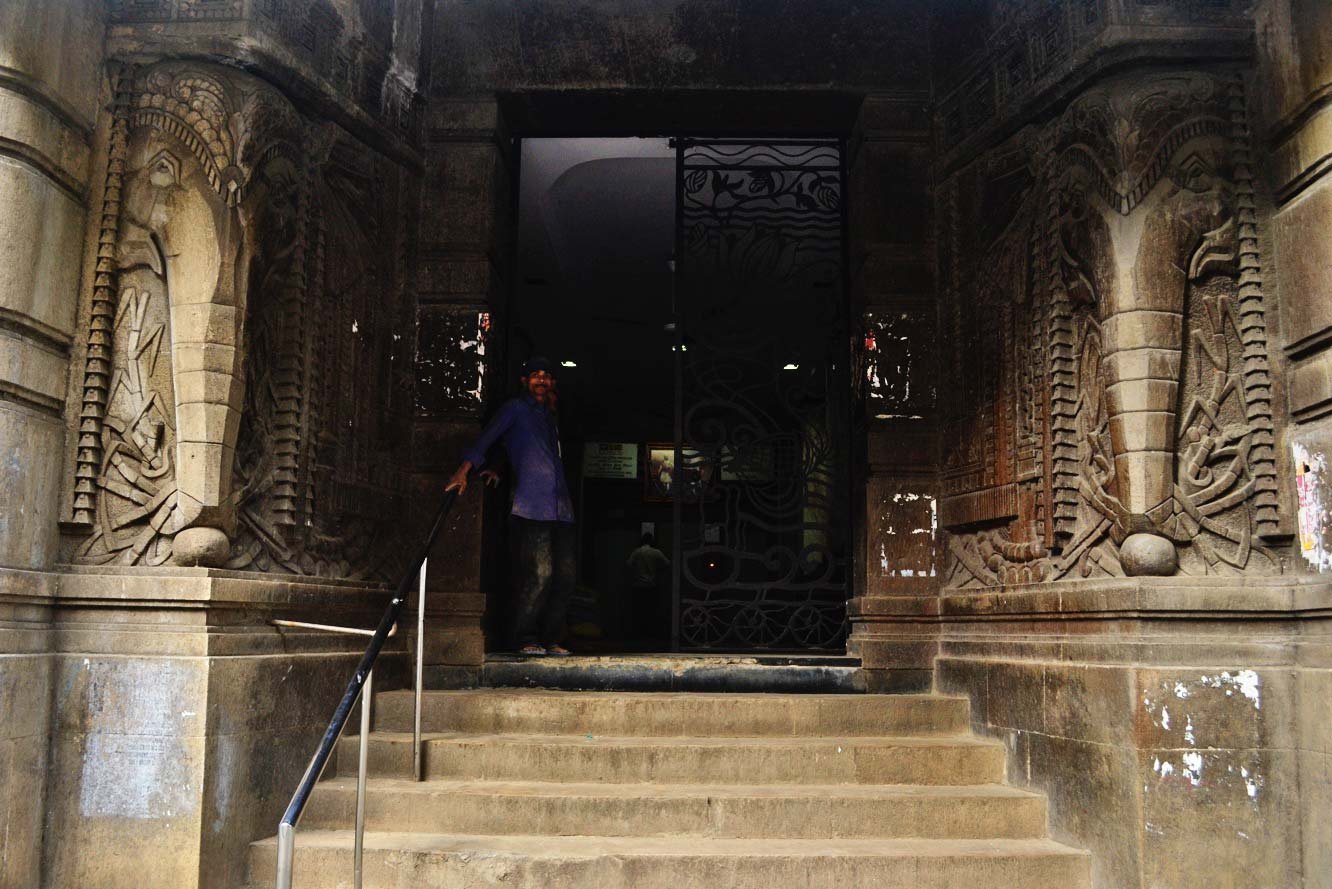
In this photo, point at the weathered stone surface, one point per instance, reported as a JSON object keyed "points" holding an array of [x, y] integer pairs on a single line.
{"points": [[1304, 265], [25, 695], [1148, 554], [170, 736], [201, 546]]}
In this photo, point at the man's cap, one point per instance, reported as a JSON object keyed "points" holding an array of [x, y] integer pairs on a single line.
{"points": [[536, 363]]}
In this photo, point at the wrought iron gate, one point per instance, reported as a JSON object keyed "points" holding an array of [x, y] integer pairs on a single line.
{"points": [[763, 395]]}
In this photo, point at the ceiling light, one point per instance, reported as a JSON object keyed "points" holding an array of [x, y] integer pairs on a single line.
{"points": [[790, 366], [568, 364]]}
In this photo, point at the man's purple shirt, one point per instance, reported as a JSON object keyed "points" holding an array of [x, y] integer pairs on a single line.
{"points": [[527, 431]]}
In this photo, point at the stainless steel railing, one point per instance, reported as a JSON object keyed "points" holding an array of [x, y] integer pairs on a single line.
{"points": [[361, 688]]}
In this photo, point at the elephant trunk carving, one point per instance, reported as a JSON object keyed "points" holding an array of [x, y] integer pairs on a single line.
{"points": [[1158, 249]]}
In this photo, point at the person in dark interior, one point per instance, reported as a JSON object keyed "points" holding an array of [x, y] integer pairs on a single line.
{"points": [[542, 519], [645, 567]]}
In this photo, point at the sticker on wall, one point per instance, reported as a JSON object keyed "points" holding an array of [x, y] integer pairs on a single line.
{"points": [[1309, 474]]}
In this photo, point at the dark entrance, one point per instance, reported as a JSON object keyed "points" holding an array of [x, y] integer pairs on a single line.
{"points": [[693, 291]]}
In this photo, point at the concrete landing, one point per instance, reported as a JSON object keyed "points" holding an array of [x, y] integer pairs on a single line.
{"points": [[816, 674]]}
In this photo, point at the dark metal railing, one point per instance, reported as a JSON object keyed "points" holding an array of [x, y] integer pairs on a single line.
{"points": [[361, 680]]}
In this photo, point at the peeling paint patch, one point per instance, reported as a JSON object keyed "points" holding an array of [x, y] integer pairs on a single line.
{"points": [[1193, 767], [134, 776], [1246, 682]]}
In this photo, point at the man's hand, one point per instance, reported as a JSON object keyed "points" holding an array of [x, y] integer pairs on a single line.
{"points": [[490, 477], [459, 480]]}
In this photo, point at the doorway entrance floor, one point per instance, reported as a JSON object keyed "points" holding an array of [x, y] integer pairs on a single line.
{"points": [[811, 674]]}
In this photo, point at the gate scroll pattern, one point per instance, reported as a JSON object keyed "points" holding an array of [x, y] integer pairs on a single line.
{"points": [[765, 404]]}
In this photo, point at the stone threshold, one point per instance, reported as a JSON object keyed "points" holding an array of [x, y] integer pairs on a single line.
{"points": [[664, 672]]}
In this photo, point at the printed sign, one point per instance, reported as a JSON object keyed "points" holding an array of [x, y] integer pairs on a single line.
{"points": [[609, 459]]}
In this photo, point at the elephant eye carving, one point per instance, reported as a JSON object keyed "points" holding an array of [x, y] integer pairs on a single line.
{"points": [[1195, 174], [163, 170]]}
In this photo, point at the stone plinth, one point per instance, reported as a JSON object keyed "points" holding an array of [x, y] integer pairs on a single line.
{"points": [[1178, 725], [182, 719]]}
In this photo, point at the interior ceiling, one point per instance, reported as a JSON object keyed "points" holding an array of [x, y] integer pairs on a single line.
{"points": [[596, 234]]}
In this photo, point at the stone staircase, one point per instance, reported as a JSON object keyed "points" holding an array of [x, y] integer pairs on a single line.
{"points": [[540, 789]]}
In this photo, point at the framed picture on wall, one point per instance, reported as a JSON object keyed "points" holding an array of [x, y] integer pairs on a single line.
{"points": [[661, 475]]}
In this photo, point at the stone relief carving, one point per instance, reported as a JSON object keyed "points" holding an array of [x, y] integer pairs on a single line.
{"points": [[163, 468], [350, 43], [324, 435], [1126, 285], [247, 384], [1031, 42]]}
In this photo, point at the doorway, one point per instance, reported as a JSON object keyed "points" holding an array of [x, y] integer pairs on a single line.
{"points": [[692, 292]]}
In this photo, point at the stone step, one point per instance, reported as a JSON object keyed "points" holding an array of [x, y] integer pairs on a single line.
{"points": [[678, 672], [511, 711], [622, 760], [800, 811], [433, 861]]}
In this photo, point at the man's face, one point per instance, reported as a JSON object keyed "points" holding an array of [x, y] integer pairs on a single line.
{"points": [[539, 384]]}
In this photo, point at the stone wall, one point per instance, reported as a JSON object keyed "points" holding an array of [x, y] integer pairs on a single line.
{"points": [[893, 291], [1126, 601], [1294, 90], [182, 719], [224, 380]]}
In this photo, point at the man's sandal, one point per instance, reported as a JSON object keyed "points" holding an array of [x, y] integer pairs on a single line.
{"points": [[532, 651], [557, 650]]}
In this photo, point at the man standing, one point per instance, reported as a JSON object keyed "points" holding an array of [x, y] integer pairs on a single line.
{"points": [[646, 566], [542, 519]]}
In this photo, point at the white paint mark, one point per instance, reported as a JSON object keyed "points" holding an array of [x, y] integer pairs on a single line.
{"points": [[1246, 682], [355, 327], [1154, 829], [1193, 766], [1252, 782], [1163, 769], [1182, 691], [1188, 730], [1165, 718], [1242, 835]]}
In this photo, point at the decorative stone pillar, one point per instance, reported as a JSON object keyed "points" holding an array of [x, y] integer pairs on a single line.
{"points": [[49, 76], [49, 69]]}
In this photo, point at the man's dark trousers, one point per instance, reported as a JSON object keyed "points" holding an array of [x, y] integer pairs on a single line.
{"points": [[546, 567]]}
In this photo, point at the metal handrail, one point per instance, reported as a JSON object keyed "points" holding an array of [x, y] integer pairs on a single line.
{"points": [[360, 680]]}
